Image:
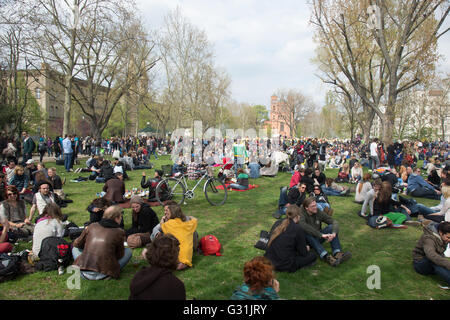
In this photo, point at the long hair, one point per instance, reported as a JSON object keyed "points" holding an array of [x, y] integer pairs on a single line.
{"points": [[385, 192], [291, 212], [53, 211], [176, 212], [366, 178]]}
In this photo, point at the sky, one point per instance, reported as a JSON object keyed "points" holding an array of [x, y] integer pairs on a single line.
{"points": [[263, 45]]}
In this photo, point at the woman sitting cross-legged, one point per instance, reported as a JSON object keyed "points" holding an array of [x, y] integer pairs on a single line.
{"points": [[144, 219], [99, 251], [242, 181], [259, 281], [287, 249], [158, 282]]}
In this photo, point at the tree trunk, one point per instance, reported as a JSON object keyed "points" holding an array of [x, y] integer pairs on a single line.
{"points": [[67, 104]]}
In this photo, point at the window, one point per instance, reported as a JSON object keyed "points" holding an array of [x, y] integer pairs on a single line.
{"points": [[281, 127], [38, 93]]}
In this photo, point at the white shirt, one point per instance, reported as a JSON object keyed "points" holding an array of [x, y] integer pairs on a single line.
{"points": [[67, 145], [373, 149], [44, 229]]}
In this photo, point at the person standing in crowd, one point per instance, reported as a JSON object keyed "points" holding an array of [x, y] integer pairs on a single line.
{"points": [[68, 152], [28, 147], [374, 157]]}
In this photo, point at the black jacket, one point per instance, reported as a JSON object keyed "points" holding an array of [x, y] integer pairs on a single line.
{"points": [[283, 251], [295, 197], [144, 221]]}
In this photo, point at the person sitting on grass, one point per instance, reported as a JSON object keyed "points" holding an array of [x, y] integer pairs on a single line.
{"points": [[319, 177], [259, 282], [362, 188], [151, 184], [20, 180], [242, 181], [115, 189], [295, 195], [344, 174], [330, 188], [368, 199], [157, 282], [97, 208], [5, 245], [428, 255], [13, 210], [418, 187], [49, 225], [99, 251], [321, 200], [287, 249], [182, 227], [384, 205], [426, 213], [311, 219], [144, 219], [356, 173], [297, 177]]}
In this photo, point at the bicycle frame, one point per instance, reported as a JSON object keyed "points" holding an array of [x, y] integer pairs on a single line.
{"points": [[182, 180]]}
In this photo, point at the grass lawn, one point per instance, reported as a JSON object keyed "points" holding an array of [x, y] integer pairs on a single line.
{"points": [[237, 225]]}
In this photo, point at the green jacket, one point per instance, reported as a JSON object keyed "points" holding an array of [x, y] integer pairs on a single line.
{"points": [[430, 245], [313, 224]]}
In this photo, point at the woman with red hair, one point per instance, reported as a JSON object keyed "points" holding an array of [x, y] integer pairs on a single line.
{"points": [[259, 281]]}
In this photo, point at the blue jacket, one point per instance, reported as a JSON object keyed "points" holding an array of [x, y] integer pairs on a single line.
{"points": [[415, 181], [254, 170]]}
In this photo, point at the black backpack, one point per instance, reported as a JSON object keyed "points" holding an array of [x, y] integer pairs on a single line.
{"points": [[9, 267], [52, 250]]}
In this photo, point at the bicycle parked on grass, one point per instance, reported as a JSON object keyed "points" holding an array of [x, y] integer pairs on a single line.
{"points": [[176, 188]]}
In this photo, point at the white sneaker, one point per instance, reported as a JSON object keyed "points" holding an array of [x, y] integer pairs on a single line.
{"points": [[61, 270]]}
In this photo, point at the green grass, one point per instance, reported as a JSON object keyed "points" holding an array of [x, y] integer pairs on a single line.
{"points": [[237, 225]]}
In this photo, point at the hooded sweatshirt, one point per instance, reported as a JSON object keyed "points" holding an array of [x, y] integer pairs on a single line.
{"points": [[154, 283], [430, 245]]}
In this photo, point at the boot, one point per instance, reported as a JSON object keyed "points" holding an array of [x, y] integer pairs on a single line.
{"points": [[328, 211], [343, 256], [331, 260]]}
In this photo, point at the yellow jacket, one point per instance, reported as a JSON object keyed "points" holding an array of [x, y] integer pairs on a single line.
{"points": [[184, 232]]}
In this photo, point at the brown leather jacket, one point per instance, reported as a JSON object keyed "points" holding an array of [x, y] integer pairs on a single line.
{"points": [[102, 245]]}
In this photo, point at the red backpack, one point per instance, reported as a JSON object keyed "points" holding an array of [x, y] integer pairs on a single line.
{"points": [[210, 245]]}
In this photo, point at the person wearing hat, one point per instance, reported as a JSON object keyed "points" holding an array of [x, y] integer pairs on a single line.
{"points": [[30, 168], [144, 219], [151, 184]]}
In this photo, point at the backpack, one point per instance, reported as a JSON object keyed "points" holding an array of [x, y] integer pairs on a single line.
{"points": [[9, 267], [54, 252], [210, 245], [379, 222]]}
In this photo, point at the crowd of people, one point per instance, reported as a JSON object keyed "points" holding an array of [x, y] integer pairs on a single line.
{"points": [[387, 183]]}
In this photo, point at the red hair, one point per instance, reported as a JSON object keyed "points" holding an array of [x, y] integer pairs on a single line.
{"points": [[258, 273]]}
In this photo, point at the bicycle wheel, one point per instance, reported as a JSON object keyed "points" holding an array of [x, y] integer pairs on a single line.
{"points": [[170, 189], [215, 196]]}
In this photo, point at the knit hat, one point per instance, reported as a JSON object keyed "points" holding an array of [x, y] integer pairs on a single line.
{"points": [[136, 199]]}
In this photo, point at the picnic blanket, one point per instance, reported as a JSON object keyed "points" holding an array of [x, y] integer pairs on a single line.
{"points": [[127, 205], [250, 186]]}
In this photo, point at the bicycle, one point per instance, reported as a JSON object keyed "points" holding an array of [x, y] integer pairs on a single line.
{"points": [[176, 189]]}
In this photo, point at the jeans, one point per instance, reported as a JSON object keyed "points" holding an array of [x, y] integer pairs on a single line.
{"points": [[374, 162], [316, 243], [93, 275], [67, 161], [322, 205], [330, 191], [424, 210], [426, 267], [421, 192], [152, 152], [237, 186]]}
